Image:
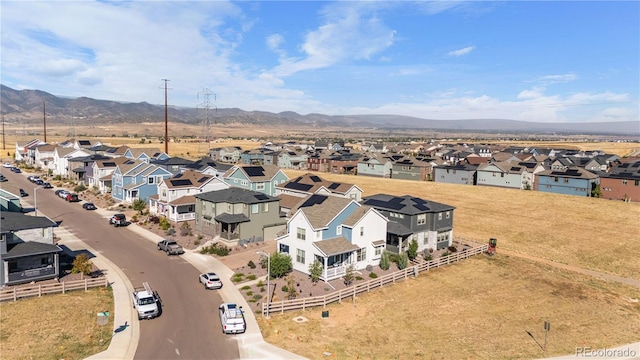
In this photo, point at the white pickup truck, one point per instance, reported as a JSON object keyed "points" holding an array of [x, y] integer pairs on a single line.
{"points": [[232, 318], [146, 302]]}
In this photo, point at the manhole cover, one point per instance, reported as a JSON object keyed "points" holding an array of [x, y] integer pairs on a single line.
{"points": [[300, 319]]}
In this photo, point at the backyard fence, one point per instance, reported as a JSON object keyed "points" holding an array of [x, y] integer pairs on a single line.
{"points": [[21, 292], [351, 292]]}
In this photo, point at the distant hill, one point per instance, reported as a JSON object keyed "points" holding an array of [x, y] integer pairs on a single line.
{"points": [[27, 106]]}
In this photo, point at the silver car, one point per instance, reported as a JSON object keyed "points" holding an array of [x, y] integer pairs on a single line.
{"points": [[210, 280]]}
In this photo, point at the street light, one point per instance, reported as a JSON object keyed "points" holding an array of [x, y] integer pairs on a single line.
{"points": [[35, 199], [268, 276]]}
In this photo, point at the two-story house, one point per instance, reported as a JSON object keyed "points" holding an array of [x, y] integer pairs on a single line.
{"points": [[174, 165], [61, 156], [292, 159], [27, 249], [175, 198], [376, 165], [101, 173], [229, 155], [44, 156], [22, 149], [502, 174], [309, 184], [145, 154], [464, 174], [344, 162], [428, 222], [236, 215], [262, 178], [621, 182], [136, 179], [410, 168], [206, 165], [337, 232], [572, 181]]}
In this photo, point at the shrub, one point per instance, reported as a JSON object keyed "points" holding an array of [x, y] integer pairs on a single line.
{"points": [[385, 260], [285, 288], [82, 264], [452, 249], [196, 242], [315, 270], [185, 229], [237, 277], [164, 223], [256, 297], [403, 261], [249, 293], [260, 283], [413, 249], [79, 188], [373, 275], [349, 275], [251, 264], [171, 231], [359, 278], [251, 277], [446, 253], [216, 248], [246, 287]]}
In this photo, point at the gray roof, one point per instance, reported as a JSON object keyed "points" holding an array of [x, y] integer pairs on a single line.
{"points": [[405, 204], [335, 246], [232, 218], [15, 221], [30, 248], [236, 195], [394, 227]]}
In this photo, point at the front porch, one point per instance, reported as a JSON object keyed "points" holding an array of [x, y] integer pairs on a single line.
{"points": [[30, 261], [336, 255]]}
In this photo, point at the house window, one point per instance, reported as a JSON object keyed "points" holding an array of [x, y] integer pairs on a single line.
{"points": [[636, 183], [265, 207], [555, 179], [164, 192], [150, 180], [566, 180], [624, 182], [339, 230], [362, 254], [422, 219], [300, 256], [439, 216], [318, 234], [378, 250], [254, 208], [245, 183], [443, 236], [448, 214], [260, 186], [361, 230], [301, 234], [501, 174]]}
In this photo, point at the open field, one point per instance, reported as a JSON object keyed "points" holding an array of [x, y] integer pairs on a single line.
{"points": [[61, 326], [480, 308]]}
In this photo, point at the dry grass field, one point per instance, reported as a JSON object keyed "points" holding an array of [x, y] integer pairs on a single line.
{"points": [[482, 307], [56, 327]]}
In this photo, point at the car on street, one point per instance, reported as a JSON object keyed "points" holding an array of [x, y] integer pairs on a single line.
{"points": [[23, 193], [2, 178], [38, 182], [118, 220], [72, 197], [33, 178], [7, 165], [47, 185], [16, 170], [171, 247], [210, 280], [62, 193], [232, 318], [89, 206]]}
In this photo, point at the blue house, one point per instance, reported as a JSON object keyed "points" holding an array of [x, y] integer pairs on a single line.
{"points": [[261, 178], [136, 179], [572, 181]]}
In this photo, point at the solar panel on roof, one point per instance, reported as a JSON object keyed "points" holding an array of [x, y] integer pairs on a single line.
{"points": [[178, 176], [334, 186], [261, 197], [314, 178], [254, 170], [110, 163], [314, 200], [84, 142], [515, 168], [392, 204], [180, 182], [298, 186], [129, 162], [203, 179]]}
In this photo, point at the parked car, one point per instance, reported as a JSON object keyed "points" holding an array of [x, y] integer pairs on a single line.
{"points": [[47, 185], [89, 206], [210, 280], [39, 182], [171, 247], [23, 193], [62, 193], [16, 170], [7, 165], [33, 178], [118, 220], [232, 318], [2, 178], [72, 197]]}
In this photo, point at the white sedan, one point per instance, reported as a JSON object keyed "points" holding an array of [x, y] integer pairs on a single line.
{"points": [[7, 165], [210, 280]]}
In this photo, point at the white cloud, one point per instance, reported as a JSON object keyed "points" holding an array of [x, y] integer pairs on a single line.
{"points": [[460, 52], [274, 41], [535, 92], [554, 79]]}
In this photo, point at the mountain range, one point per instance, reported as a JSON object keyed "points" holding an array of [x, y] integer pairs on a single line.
{"points": [[26, 106]]}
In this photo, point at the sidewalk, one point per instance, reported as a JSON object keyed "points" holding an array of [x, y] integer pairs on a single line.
{"points": [[251, 344]]}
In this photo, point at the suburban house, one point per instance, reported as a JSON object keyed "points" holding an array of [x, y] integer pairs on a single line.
{"points": [[343, 162], [229, 155], [236, 215], [136, 179], [463, 174], [531, 169], [572, 181], [288, 159], [309, 184], [410, 168], [82, 167], [262, 178], [376, 165], [259, 156], [319, 161], [428, 222], [175, 200], [27, 249], [61, 156], [502, 174], [22, 149], [174, 165], [101, 171], [85, 144], [44, 156], [621, 182], [337, 232], [145, 154]]}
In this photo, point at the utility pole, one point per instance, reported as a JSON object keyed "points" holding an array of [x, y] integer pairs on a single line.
{"points": [[44, 118], [4, 143], [166, 119]]}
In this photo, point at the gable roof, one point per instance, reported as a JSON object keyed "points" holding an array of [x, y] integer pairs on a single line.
{"points": [[255, 173], [405, 204], [311, 183], [188, 179], [15, 221], [321, 209], [236, 195]]}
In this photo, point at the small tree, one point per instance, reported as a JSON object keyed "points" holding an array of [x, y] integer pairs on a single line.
{"points": [[139, 205], [595, 191], [315, 270], [291, 288], [403, 261], [385, 262], [280, 265], [349, 275], [185, 229], [82, 265], [413, 250]]}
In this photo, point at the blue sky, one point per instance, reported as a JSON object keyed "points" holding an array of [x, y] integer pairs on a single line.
{"points": [[543, 61]]}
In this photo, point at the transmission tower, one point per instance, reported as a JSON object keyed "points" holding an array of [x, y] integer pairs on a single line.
{"points": [[207, 118]]}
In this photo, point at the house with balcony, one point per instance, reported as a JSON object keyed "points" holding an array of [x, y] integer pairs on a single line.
{"points": [[61, 156], [410, 168], [428, 222], [237, 216], [262, 178], [27, 249], [229, 155], [136, 179], [289, 159], [337, 232], [463, 174], [101, 171], [309, 184], [81, 168], [572, 181], [502, 174], [22, 149], [344, 162], [175, 198]]}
